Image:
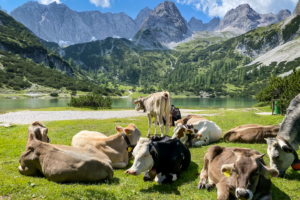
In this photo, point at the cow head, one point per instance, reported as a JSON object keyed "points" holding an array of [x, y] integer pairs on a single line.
{"points": [[280, 154], [181, 132], [143, 157], [247, 170], [132, 132], [40, 132], [139, 104]]}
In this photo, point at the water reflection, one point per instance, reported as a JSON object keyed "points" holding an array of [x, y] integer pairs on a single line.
{"points": [[11, 104]]}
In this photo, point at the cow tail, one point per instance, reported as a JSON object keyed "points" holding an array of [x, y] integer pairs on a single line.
{"points": [[168, 100]]}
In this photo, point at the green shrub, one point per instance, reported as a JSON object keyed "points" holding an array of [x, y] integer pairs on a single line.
{"points": [[54, 94], [17, 88], [95, 101], [74, 93]]}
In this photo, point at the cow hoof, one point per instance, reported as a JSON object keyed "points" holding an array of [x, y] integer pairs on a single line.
{"points": [[201, 186], [209, 187]]}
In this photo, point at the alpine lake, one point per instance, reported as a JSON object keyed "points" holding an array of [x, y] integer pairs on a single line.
{"points": [[125, 103]]}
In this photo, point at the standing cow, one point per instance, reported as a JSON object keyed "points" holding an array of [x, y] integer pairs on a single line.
{"points": [[156, 105], [165, 156], [238, 172], [282, 150]]}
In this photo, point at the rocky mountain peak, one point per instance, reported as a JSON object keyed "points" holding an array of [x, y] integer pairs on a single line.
{"points": [[297, 9], [142, 16], [164, 25], [243, 19]]}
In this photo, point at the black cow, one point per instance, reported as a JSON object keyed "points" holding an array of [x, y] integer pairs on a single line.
{"points": [[161, 158]]}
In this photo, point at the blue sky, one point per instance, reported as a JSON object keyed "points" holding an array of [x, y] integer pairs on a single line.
{"points": [[201, 9]]}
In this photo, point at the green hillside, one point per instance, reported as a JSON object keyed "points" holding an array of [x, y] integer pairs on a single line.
{"points": [[215, 63], [24, 60]]}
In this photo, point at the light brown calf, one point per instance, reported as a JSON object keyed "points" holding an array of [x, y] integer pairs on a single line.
{"points": [[115, 147], [238, 172], [251, 133], [60, 163]]}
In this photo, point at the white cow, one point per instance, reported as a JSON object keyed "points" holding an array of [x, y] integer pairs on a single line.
{"points": [[198, 133], [156, 105]]}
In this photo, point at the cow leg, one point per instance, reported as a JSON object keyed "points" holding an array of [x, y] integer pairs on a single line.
{"points": [[199, 143], [161, 124], [210, 185], [119, 165], [149, 125], [28, 171], [204, 174], [155, 122], [223, 191]]}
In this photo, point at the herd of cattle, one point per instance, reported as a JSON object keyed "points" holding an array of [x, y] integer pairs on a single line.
{"points": [[234, 171]]}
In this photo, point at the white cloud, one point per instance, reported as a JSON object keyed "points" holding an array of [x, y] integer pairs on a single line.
{"points": [[46, 2], [102, 3], [221, 7]]}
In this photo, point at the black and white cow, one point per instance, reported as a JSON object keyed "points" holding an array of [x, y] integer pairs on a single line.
{"points": [[161, 158], [282, 150]]}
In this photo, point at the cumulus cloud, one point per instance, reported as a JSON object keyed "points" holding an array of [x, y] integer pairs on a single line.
{"points": [[102, 3], [221, 7], [46, 2]]}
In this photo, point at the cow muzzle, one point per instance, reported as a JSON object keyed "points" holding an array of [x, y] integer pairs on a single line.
{"points": [[131, 172], [243, 194]]}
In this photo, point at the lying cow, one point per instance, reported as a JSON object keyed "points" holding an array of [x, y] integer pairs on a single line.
{"points": [[116, 147], [236, 171], [60, 163], [198, 133], [156, 105], [251, 133], [282, 150], [165, 156], [191, 119]]}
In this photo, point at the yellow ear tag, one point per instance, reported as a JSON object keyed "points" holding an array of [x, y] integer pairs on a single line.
{"points": [[120, 131], [188, 133], [129, 149], [227, 173]]}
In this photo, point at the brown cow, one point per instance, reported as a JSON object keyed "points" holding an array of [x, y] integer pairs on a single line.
{"points": [[115, 146], [191, 119], [251, 133], [238, 172], [60, 163]]}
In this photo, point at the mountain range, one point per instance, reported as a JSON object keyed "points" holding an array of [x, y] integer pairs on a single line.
{"points": [[150, 29]]}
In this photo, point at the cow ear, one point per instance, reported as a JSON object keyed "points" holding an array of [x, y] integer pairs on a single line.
{"points": [[284, 147], [119, 128], [153, 151], [268, 172], [135, 102], [287, 149], [189, 131], [227, 169]]}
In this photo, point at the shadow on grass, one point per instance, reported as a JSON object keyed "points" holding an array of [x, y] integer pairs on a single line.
{"points": [[188, 175], [292, 175], [278, 194]]}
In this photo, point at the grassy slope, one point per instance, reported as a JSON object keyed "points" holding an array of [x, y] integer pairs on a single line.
{"points": [[17, 186]]}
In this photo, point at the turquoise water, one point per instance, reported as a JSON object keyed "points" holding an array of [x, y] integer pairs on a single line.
{"points": [[11, 104]]}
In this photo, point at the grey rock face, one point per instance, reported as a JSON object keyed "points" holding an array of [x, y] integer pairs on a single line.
{"points": [[164, 25], [3, 9], [244, 18], [142, 16], [197, 25], [58, 23], [297, 9]]}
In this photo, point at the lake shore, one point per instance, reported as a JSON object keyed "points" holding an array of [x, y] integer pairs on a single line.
{"points": [[27, 117]]}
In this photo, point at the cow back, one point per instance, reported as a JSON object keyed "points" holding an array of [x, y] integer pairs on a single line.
{"points": [[170, 149]]}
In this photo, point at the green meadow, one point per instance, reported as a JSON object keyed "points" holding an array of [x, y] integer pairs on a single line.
{"points": [[13, 185]]}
